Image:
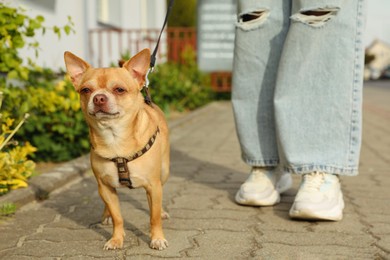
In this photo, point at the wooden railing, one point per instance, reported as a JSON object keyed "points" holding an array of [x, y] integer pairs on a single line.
{"points": [[106, 46], [221, 81], [178, 39]]}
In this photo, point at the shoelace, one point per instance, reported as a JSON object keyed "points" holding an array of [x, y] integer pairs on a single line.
{"points": [[313, 181]]}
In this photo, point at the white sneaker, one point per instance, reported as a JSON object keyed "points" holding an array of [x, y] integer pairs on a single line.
{"points": [[319, 197], [263, 187]]}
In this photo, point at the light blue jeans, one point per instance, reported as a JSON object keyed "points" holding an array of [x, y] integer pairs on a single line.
{"points": [[297, 84]]}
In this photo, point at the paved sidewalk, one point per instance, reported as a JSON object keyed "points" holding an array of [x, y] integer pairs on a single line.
{"points": [[205, 222]]}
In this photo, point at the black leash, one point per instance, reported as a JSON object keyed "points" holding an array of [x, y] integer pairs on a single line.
{"points": [[148, 98]]}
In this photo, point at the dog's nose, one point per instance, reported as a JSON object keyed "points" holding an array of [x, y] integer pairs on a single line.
{"points": [[100, 99]]}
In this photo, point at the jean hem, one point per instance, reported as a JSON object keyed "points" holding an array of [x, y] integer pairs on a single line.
{"points": [[260, 162], [321, 168]]}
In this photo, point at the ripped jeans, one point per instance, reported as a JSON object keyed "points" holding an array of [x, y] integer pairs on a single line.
{"points": [[297, 84]]}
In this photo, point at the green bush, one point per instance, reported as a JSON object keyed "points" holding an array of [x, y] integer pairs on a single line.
{"points": [[15, 167], [17, 31], [183, 14], [56, 125], [180, 87]]}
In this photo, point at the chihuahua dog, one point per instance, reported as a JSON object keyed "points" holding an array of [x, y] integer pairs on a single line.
{"points": [[129, 138]]}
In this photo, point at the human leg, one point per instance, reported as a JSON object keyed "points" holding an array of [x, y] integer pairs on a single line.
{"points": [[319, 88], [260, 33], [318, 102]]}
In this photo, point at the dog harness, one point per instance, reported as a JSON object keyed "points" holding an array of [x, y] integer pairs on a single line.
{"points": [[121, 162]]}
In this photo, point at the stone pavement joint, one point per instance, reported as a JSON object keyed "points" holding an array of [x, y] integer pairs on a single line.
{"points": [[206, 223]]}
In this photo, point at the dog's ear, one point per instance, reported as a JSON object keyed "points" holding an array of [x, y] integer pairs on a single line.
{"points": [[75, 67], [138, 66]]}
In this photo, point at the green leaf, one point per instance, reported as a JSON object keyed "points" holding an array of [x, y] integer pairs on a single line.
{"points": [[19, 19], [34, 24], [18, 41], [24, 73], [30, 32], [40, 18], [13, 74], [67, 29], [57, 31]]}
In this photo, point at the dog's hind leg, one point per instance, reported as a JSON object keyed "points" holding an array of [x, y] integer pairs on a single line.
{"points": [[165, 170], [106, 217], [164, 214], [165, 166]]}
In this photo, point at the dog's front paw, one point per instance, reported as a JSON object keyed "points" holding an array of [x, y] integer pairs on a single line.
{"points": [[159, 244], [113, 243]]}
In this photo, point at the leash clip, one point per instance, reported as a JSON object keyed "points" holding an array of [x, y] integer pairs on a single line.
{"points": [[148, 98], [146, 85]]}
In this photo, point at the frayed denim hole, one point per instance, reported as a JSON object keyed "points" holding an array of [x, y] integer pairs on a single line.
{"points": [[315, 17], [252, 20]]}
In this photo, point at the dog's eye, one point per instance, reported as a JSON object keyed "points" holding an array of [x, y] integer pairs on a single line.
{"points": [[119, 90], [85, 90]]}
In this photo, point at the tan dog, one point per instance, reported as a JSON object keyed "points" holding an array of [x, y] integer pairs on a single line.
{"points": [[122, 126]]}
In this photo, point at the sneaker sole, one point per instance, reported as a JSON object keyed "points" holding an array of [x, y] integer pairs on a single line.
{"points": [[309, 215], [335, 214], [252, 200]]}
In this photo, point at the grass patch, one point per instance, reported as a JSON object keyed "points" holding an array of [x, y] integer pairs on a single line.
{"points": [[7, 209]]}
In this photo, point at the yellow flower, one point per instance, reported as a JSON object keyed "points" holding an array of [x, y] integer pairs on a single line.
{"points": [[16, 184], [29, 148], [60, 86]]}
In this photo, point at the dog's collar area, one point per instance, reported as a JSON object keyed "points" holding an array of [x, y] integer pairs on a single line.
{"points": [[121, 162]]}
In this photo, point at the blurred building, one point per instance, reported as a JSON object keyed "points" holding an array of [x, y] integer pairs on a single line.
{"points": [[380, 63], [99, 26]]}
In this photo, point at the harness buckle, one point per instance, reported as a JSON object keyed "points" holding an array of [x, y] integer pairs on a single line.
{"points": [[123, 171]]}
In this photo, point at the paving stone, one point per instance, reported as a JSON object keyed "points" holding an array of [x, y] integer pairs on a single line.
{"points": [[384, 244], [179, 241], [221, 244], [317, 239], [282, 251], [43, 248]]}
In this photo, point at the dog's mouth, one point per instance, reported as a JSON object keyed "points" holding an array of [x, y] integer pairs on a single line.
{"points": [[104, 114]]}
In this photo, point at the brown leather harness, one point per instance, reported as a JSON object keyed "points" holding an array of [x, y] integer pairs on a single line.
{"points": [[121, 162]]}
